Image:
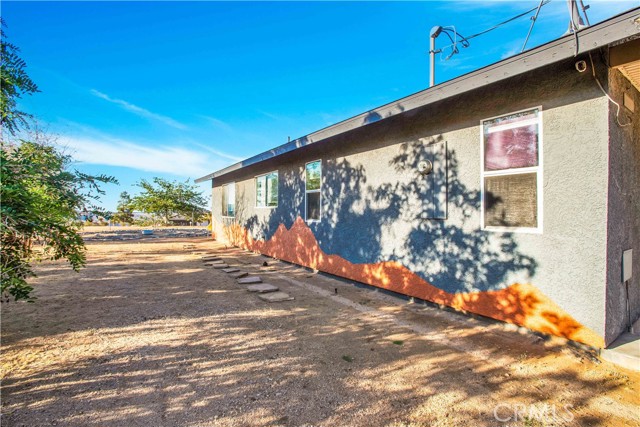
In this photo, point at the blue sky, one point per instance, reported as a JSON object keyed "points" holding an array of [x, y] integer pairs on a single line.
{"points": [[178, 90]]}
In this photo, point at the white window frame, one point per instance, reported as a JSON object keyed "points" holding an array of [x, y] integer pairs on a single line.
{"points": [[255, 183], [514, 171], [223, 187], [312, 191]]}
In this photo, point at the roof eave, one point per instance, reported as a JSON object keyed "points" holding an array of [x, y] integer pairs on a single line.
{"points": [[616, 28]]}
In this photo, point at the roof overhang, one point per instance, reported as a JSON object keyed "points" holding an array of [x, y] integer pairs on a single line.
{"points": [[620, 27], [626, 58]]}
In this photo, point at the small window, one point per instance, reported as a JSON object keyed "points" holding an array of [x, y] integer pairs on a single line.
{"points": [[512, 173], [229, 199], [267, 190], [313, 183]]}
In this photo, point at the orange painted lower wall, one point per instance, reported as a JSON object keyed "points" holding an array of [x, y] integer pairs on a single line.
{"points": [[520, 303]]}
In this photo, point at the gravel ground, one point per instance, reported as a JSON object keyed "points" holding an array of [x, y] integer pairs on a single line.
{"points": [[112, 233], [147, 335]]}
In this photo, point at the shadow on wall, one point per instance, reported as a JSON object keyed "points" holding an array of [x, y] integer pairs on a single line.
{"points": [[453, 254], [383, 235]]}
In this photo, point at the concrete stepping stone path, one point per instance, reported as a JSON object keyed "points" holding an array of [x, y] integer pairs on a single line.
{"points": [[239, 274], [262, 288], [231, 270], [249, 280], [275, 297], [220, 266]]}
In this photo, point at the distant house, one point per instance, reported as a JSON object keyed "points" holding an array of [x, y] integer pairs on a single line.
{"points": [[512, 192], [181, 220], [138, 215]]}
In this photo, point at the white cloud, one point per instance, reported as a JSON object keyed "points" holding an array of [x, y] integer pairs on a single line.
{"points": [[219, 153], [164, 159], [142, 112], [273, 116], [218, 123]]}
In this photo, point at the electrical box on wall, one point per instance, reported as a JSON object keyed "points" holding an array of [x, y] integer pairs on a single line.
{"points": [[627, 261]]}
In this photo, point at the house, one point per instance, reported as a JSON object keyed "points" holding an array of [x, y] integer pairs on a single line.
{"points": [[182, 220], [512, 192]]}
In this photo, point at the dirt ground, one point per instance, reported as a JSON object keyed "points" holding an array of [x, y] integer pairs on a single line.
{"points": [[147, 335]]}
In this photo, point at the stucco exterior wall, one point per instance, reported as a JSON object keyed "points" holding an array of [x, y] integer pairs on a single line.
{"points": [[623, 223], [375, 226]]}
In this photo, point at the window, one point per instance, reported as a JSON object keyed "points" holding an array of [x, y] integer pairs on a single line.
{"points": [[313, 182], [512, 172], [267, 190], [229, 199]]}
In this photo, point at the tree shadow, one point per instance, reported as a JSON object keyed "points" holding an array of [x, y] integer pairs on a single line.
{"points": [[190, 353], [378, 227], [392, 221], [454, 255]]}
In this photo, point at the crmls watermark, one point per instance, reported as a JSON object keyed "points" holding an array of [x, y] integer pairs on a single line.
{"points": [[505, 412]]}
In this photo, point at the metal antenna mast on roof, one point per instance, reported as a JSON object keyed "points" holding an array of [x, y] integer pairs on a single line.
{"points": [[584, 10], [575, 20]]}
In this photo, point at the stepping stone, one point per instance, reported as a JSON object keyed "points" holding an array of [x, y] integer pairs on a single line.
{"points": [[210, 258], [262, 288], [249, 280], [217, 261], [239, 274], [275, 297], [230, 270], [220, 266]]}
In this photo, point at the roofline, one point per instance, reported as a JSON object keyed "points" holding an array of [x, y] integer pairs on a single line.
{"points": [[602, 34]]}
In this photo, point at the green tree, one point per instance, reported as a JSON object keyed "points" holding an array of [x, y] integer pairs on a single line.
{"points": [[14, 82], [124, 211], [40, 194], [40, 200], [165, 199]]}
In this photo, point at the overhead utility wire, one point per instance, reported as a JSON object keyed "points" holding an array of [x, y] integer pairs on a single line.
{"points": [[454, 41], [593, 73], [533, 22], [465, 40], [505, 22]]}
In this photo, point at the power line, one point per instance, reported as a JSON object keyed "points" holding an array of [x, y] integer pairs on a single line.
{"points": [[505, 22], [464, 41]]}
